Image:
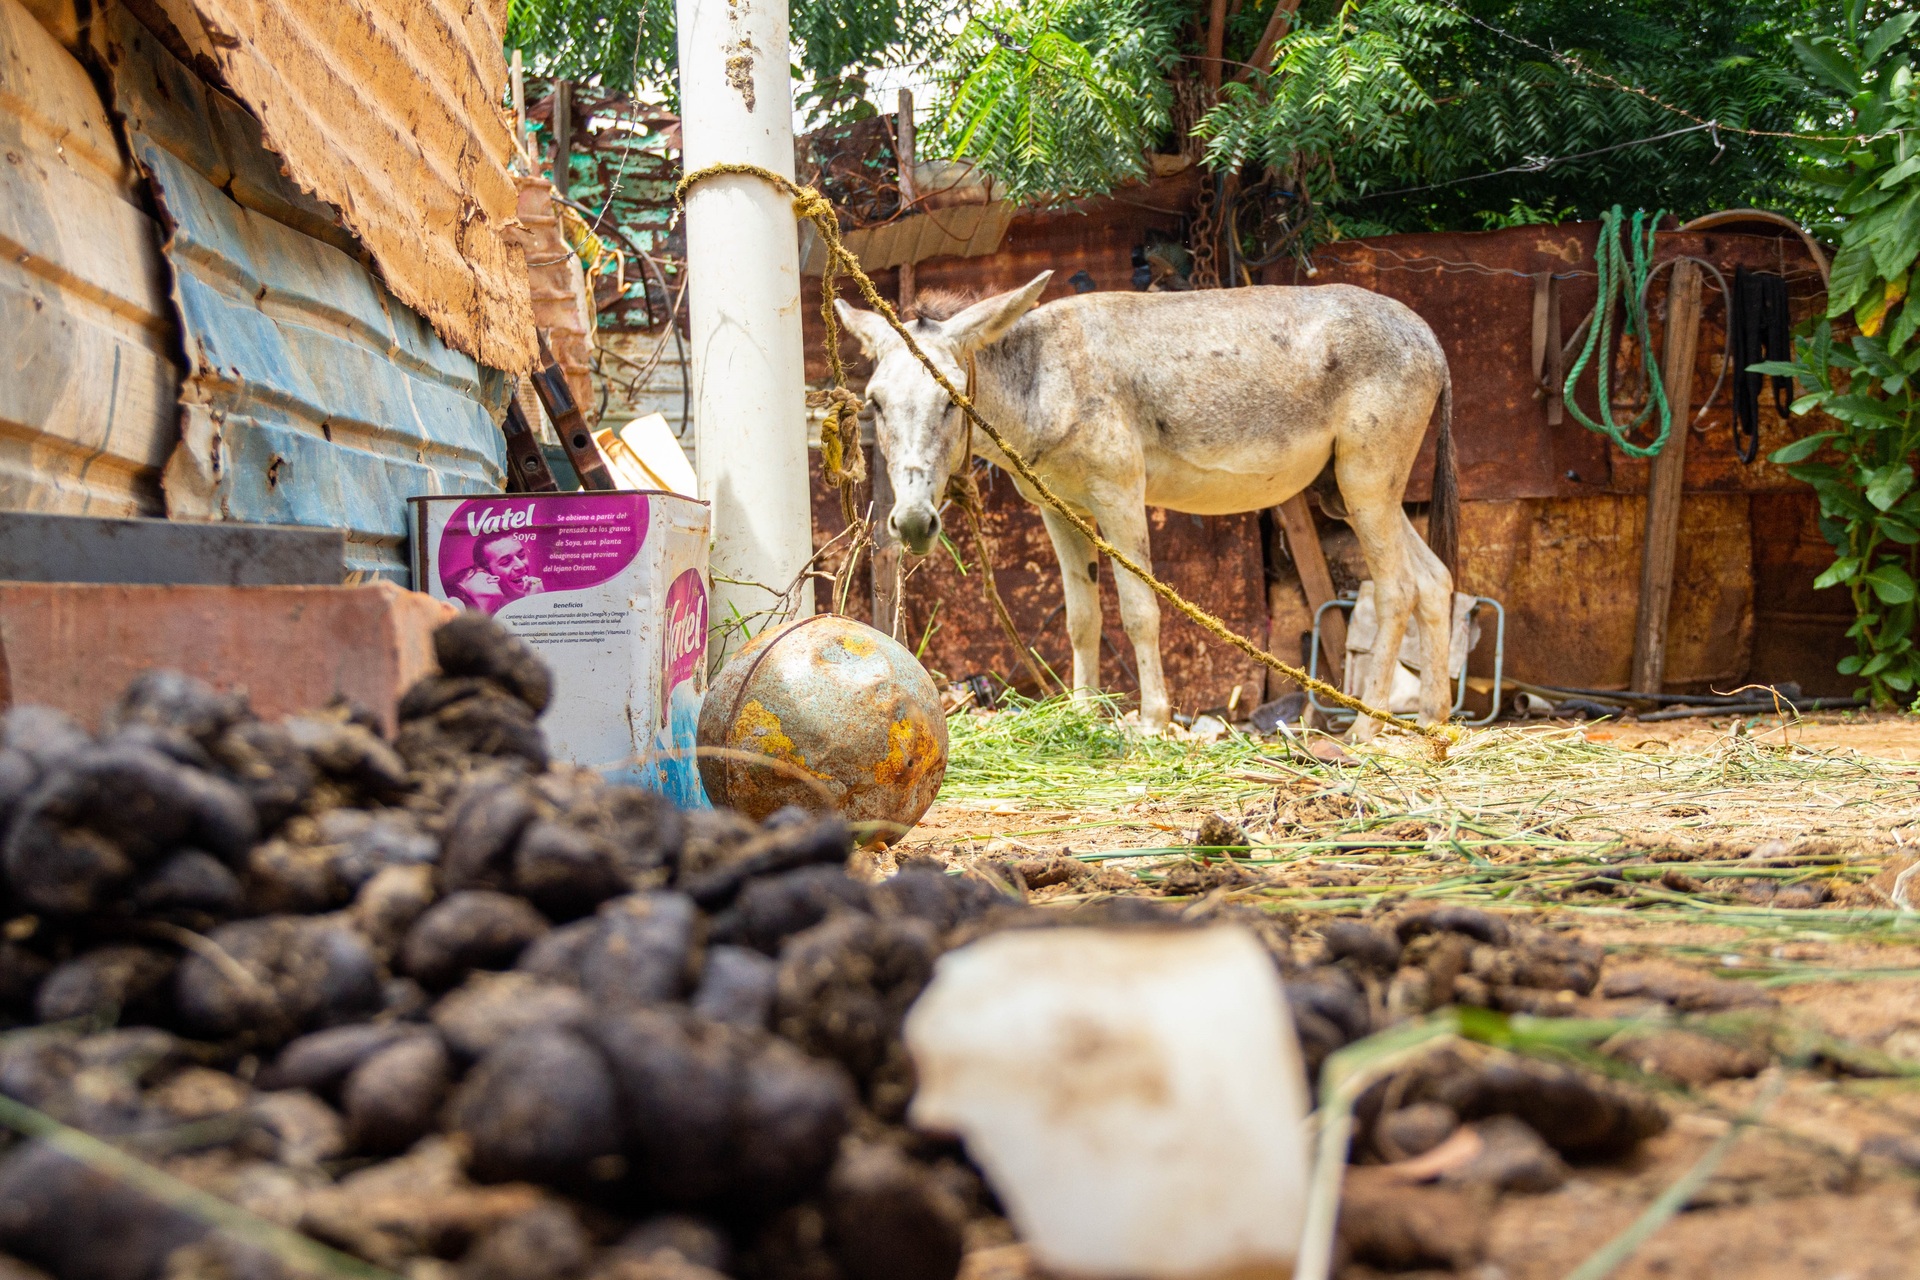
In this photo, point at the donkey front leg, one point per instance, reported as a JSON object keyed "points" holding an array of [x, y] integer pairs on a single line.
{"points": [[1125, 524], [1080, 582]]}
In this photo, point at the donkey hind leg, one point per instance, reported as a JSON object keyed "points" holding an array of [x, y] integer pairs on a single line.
{"points": [[1377, 521], [1124, 521], [1080, 582], [1433, 609]]}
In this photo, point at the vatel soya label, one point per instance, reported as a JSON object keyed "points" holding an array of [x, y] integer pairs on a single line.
{"points": [[611, 589]]}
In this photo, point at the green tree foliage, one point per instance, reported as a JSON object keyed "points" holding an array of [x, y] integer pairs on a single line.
{"points": [[628, 46], [1501, 103], [1362, 99], [1359, 101], [1863, 468], [1062, 97], [1340, 92]]}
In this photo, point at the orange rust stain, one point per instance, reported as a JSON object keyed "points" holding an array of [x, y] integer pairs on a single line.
{"points": [[911, 751], [858, 645], [1566, 248], [758, 729]]}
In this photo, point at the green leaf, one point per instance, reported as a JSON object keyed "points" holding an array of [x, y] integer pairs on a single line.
{"points": [[1874, 357], [1841, 570], [1894, 238], [1885, 36], [1899, 680], [1828, 64], [1876, 664], [1805, 404], [1849, 503], [1899, 173], [1849, 279], [1891, 583], [1900, 531], [1865, 411], [1851, 664], [1889, 484], [1803, 448], [1901, 331]]}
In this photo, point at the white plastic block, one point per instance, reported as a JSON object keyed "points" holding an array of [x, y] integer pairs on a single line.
{"points": [[1134, 1095]]}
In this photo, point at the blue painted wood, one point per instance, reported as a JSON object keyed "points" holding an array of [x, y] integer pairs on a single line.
{"points": [[313, 396]]}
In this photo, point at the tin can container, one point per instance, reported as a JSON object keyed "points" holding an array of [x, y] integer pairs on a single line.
{"points": [[609, 588]]}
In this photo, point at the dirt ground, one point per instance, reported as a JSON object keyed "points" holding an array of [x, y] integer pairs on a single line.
{"points": [[1749, 853], [1883, 736]]}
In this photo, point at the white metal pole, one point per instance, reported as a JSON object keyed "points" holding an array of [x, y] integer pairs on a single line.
{"points": [[749, 373]]}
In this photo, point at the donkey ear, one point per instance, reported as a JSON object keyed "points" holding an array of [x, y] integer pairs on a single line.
{"points": [[985, 321], [870, 328]]}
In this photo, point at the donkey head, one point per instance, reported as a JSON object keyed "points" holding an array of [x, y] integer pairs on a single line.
{"points": [[923, 436]]}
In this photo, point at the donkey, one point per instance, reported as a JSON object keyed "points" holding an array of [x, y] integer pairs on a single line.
{"points": [[1206, 402]]}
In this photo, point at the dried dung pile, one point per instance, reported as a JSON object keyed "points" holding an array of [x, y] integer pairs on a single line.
{"points": [[435, 999], [454, 1010]]}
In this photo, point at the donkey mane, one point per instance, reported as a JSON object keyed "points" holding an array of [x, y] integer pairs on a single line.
{"points": [[942, 304]]}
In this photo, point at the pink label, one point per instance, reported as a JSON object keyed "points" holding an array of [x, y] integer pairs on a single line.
{"points": [[686, 636], [498, 550]]}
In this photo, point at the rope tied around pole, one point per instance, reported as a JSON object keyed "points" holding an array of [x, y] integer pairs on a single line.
{"points": [[811, 205]]}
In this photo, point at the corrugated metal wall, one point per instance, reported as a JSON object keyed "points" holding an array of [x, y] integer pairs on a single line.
{"points": [[88, 382], [313, 395]]}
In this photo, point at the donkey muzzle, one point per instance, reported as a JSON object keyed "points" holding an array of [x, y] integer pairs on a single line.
{"points": [[916, 526]]}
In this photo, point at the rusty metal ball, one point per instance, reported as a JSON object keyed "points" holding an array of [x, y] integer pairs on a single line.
{"points": [[824, 713]]}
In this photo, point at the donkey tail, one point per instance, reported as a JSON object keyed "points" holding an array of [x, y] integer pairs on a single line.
{"points": [[1443, 516]]}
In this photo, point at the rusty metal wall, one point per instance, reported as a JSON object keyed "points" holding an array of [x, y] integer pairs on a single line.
{"points": [[88, 382], [1798, 633], [1568, 572], [1095, 236], [1476, 290]]}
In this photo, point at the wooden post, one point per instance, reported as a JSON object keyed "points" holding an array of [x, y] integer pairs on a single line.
{"points": [[903, 153], [519, 80], [886, 552], [1303, 541], [1216, 48], [562, 136], [887, 566], [1664, 483]]}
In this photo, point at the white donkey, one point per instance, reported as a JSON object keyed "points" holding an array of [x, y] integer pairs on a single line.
{"points": [[1209, 402]]}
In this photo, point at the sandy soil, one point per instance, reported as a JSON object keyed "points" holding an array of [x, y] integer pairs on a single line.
{"points": [[1887, 736], [1824, 1185]]}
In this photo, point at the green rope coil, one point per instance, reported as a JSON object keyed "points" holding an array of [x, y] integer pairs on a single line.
{"points": [[1623, 279]]}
